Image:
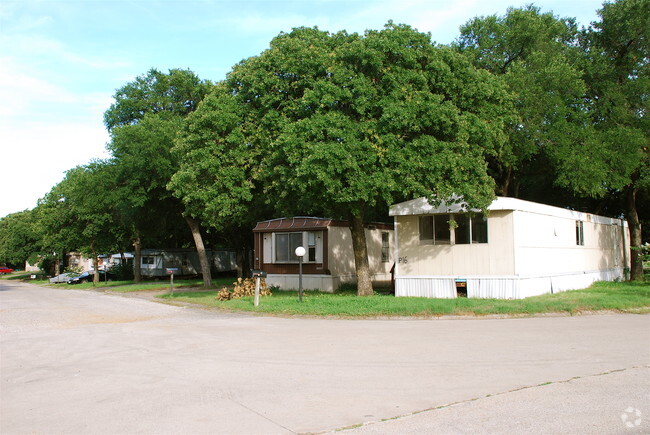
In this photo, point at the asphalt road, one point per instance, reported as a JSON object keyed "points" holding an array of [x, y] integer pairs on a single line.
{"points": [[83, 362]]}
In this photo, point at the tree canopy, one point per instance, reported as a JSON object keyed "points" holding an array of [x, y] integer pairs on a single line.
{"points": [[537, 55], [143, 122]]}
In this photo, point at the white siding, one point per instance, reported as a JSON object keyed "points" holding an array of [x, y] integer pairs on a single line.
{"points": [[426, 287]]}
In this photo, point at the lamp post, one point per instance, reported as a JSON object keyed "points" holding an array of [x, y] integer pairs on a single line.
{"points": [[300, 252]]}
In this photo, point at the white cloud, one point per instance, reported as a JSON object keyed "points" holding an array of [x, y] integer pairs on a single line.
{"points": [[45, 130], [36, 155]]}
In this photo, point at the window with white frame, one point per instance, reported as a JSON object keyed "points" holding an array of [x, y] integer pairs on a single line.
{"points": [[281, 247], [311, 246], [285, 247], [148, 261]]}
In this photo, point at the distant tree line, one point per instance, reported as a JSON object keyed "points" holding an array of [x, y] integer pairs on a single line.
{"points": [[342, 125]]}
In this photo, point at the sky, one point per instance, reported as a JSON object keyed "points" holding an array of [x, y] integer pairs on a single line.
{"points": [[62, 60]]}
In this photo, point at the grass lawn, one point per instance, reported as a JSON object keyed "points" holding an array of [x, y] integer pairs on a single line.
{"points": [[130, 286], [623, 297]]}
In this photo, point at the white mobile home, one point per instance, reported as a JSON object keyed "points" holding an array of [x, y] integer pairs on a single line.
{"points": [[329, 258], [517, 249]]}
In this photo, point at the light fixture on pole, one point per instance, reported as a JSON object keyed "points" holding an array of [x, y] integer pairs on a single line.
{"points": [[300, 252]]}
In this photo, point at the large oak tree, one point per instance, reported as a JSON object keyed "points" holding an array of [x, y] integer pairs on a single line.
{"points": [[339, 124]]}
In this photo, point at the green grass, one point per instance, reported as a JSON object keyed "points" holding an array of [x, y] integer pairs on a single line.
{"points": [[22, 275], [622, 297], [130, 286]]}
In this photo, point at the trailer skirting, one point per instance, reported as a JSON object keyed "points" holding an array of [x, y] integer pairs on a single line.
{"points": [[499, 287]]}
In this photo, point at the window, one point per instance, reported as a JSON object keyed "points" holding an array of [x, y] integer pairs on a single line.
{"points": [[147, 260], [463, 229], [426, 227], [466, 229], [441, 230], [580, 235], [435, 228], [479, 228], [285, 246], [385, 247], [311, 246]]}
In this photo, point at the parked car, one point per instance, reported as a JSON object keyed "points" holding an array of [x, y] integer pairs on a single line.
{"points": [[89, 275], [64, 277], [5, 269]]}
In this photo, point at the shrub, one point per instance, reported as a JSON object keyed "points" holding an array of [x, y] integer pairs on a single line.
{"points": [[122, 272]]}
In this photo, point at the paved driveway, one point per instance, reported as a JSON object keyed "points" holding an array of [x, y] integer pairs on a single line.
{"points": [[82, 362]]}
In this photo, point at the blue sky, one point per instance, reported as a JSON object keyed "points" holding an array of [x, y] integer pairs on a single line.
{"points": [[61, 61]]}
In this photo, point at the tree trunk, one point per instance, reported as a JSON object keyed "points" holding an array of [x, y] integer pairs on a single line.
{"points": [[95, 269], [200, 249], [636, 261], [137, 260], [364, 282]]}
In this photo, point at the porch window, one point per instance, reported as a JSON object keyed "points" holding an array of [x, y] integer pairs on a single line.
{"points": [[285, 246]]}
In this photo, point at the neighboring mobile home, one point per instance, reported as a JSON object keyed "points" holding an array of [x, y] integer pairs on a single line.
{"points": [[155, 262], [517, 249], [329, 258]]}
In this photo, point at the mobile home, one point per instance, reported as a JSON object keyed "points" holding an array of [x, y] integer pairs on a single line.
{"points": [[329, 259], [155, 262], [514, 250]]}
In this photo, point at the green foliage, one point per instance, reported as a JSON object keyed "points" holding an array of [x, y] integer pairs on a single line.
{"points": [[331, 123], [175, 94], [617, 71], [78, 213], [536, 54], [339, 125], [20, 237], [122, 272]]}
